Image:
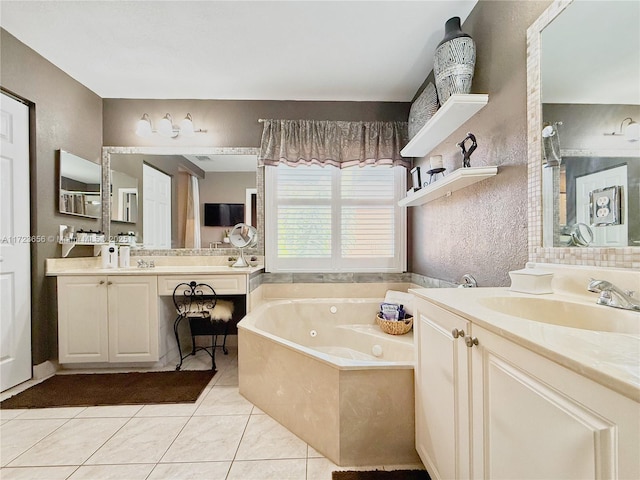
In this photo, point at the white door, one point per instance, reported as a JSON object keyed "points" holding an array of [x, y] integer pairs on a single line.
{"points": [[156, 209], [609, 235], [15, 260]]}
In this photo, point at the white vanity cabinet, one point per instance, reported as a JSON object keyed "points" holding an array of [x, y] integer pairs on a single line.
{"points": [[533, 418], [443, 433], [107, 319], [489, 408]]}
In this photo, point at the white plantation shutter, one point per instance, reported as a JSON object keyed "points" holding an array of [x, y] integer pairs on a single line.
{"points": [[304, 213], [330, 220]]}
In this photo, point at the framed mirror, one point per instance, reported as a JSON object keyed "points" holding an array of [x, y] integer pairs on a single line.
{"points": [[224, 174], [582, 82], [79, 186]]}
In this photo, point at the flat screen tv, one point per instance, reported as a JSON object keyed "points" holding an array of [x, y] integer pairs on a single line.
{"points": [[223, 214]]}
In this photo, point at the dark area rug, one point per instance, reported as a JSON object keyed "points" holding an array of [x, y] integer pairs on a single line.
{"points": [[382, 475], [88, 390]]}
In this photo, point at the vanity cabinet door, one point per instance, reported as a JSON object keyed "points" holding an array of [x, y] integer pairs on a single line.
{"points": [[533, 418], [82, 319], [442, 391], [133, 318]]}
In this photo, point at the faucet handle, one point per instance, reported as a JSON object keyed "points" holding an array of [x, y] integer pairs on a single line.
{"points": [[631, 293], [604, 298]]}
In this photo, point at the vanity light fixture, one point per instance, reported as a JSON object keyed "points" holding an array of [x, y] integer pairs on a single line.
{"points": [[631, 131], [166, 128]]}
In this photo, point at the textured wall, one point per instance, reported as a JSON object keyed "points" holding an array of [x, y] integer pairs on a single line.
{"points": [[65, 115], [482, 230]]}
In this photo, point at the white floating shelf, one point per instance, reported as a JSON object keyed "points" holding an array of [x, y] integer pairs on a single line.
{"points": [[455, 112], [68, 246], [461, 178]]}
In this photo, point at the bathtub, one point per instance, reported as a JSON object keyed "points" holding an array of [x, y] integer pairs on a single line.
{"points": [[325, 370]]}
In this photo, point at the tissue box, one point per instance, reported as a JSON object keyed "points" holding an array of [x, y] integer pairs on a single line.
{"points": [[531, 280]]}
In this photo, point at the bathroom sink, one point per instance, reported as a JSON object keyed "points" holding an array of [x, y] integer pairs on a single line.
{"points": [[566, 314]]}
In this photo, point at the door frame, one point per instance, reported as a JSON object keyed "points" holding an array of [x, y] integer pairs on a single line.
{"points": [[33, 271]]}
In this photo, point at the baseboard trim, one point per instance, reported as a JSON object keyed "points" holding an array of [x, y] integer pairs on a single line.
{"points": [[45, 369]]}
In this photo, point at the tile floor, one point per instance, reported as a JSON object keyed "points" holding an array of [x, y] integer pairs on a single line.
{"points": [[220, 437]]}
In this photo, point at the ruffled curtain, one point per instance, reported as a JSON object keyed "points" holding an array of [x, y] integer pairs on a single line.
{"points": [[340, 144]]}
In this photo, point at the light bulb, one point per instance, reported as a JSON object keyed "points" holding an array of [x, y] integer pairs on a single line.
{"points": [[143, 126], [632, 132], [165, 126], [186, 126]]}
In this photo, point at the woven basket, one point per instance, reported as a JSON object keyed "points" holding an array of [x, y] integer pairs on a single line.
{"points": [[395, 327]]}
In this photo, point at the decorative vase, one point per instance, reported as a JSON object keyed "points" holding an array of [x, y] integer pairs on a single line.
{"points": [[454, 62]]}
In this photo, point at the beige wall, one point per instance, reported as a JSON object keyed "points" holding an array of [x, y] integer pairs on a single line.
{"points": [[222, 187], [65, 115], [231, 123], [482, 230]]}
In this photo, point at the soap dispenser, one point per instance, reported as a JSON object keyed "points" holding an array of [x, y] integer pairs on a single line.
{"points": [[112, 261]]}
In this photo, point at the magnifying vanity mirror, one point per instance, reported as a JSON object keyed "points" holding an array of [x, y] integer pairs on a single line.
{"points": [[243, 236], [79, 186], [225, 175], [583, 75]]}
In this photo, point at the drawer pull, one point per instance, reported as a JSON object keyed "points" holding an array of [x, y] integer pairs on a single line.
{"points": [[457, 333], [471, 341]]}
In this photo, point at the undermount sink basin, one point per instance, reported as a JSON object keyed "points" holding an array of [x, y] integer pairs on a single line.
{"points": [[566, 314]]}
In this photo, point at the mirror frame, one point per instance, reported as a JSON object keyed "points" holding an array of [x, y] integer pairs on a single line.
{"points": [[624, 257], [59, 154], [106, 169]]}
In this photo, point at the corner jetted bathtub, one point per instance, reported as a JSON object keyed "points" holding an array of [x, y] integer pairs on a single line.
{"points": [[325, 370]]}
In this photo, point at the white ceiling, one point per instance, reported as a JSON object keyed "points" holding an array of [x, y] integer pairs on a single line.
{"points": [[224, 163], [250, 50]]}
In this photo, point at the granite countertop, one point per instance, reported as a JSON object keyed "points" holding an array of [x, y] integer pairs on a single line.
{"points": [[609, 358], [164, 266], [159, 270]]}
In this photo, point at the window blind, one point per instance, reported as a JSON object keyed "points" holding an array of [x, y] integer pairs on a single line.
{"points": [[329, 219]]}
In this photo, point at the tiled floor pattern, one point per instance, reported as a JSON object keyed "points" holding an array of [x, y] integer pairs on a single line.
{"points": [[220, 437]]}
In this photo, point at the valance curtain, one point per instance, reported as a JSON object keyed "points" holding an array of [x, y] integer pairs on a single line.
{"points": [[336, 143]]}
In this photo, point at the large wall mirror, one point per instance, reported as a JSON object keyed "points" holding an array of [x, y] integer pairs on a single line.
{"points": [[225, 176], [583, 73], [79, 186]]}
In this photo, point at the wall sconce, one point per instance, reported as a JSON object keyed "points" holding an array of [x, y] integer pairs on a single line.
{"points": [[166, 128], [551, 145], [631, 131]]}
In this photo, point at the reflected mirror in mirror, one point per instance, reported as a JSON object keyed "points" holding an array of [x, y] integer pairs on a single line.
{"points": [[590, 74], [224, 177], [124, 197], [79, 186]]}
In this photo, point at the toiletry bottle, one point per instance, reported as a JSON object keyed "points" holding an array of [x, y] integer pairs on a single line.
{"points": [[113, 257], [125, 253], [104, 254]]}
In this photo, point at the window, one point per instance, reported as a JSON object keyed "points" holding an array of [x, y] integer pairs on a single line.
{"points": [[325, 219]]}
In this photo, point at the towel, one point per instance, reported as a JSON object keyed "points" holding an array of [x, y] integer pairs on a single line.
{"points": [[222, 311], [401, 298]]}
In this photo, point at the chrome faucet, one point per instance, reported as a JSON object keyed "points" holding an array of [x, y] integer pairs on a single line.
{"points": [[612, 296]]}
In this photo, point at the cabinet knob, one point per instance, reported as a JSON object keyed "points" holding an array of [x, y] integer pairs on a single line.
{"points": [[109, 283], [457, 333], [101, 282], [471, 341]]}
